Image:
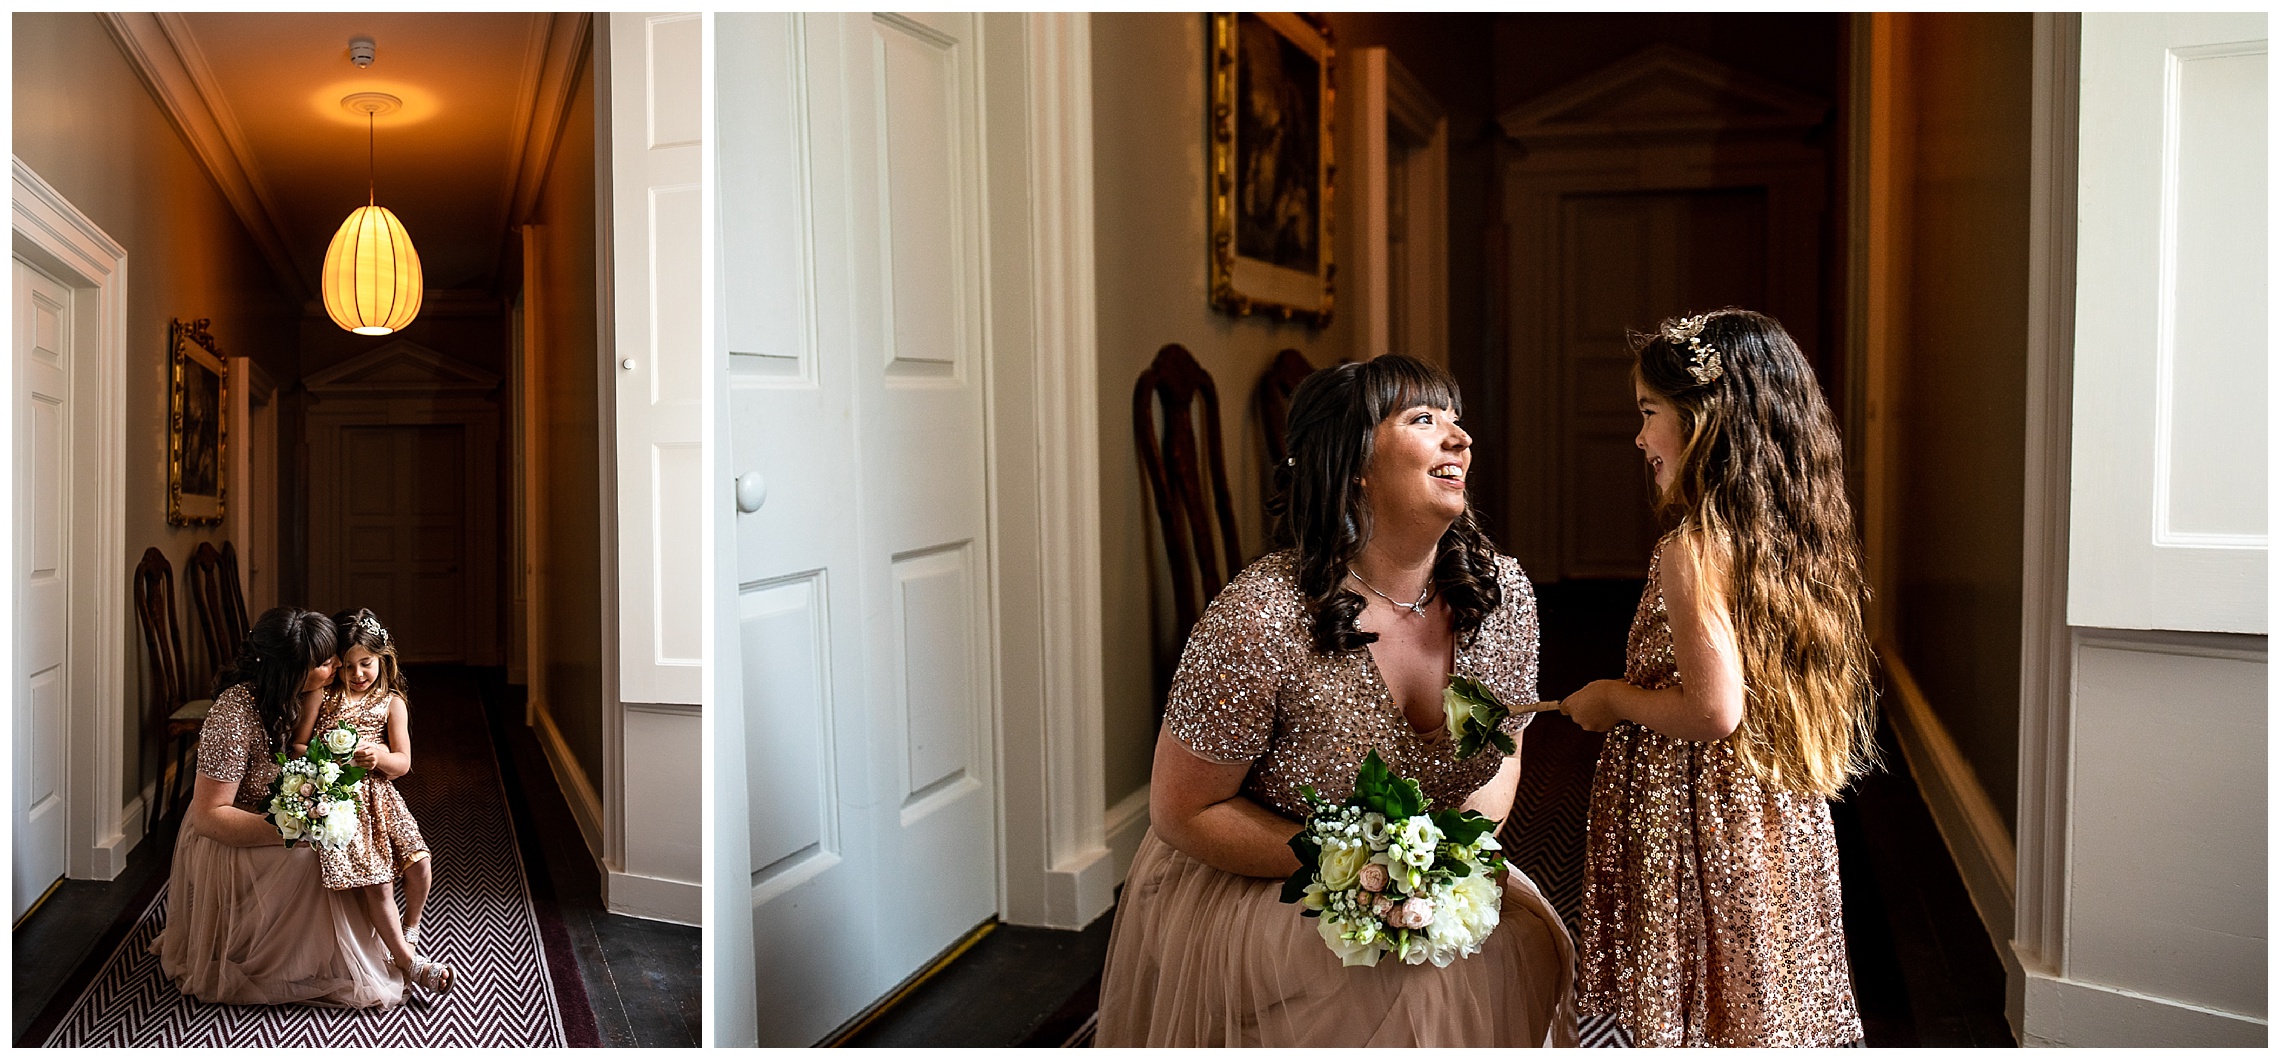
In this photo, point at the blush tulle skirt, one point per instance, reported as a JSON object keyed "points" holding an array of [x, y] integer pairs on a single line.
{"points": [[256, 926], [1204, 957]]}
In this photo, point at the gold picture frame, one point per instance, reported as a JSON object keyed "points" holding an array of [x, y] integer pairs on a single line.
{"points": [[197, 434], [1272, 167]]}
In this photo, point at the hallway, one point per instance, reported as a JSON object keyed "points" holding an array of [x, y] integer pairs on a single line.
{"points": [[616, 980]]}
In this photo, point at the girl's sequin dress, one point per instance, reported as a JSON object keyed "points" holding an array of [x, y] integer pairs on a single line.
{"points": [[1711, 912], [387, 838]]}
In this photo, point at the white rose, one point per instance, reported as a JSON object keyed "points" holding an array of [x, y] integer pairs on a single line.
{"points": [[1454, 710], [1342, 864], [340, 741], [328, 774], [1350, 952], [289, 826], [1468, 911]]}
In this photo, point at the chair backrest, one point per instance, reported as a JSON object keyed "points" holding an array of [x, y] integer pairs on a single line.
{"points": [[1281, 380], [154, 609], [204, 575], [233, 600], [1176, 471]]}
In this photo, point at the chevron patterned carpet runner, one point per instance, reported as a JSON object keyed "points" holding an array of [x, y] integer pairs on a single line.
{"points": [[513, 989], [1544, 835]]}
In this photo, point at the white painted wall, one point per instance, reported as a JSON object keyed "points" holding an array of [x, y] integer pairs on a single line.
{"points": [[2142, 815]]}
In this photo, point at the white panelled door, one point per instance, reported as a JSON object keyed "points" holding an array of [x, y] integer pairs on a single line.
{"points": [[42, 585], [851, 296], [2171, 348]]}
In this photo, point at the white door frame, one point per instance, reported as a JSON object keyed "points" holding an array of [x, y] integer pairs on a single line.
{"points": [[52, 234]]}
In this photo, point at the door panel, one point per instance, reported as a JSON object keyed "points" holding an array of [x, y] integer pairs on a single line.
{"points": [[850, 311], [42, 582], [404, 522], [1628, 261]]}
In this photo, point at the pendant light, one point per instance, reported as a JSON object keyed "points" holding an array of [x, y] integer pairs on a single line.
{"points": [[372, 274]]}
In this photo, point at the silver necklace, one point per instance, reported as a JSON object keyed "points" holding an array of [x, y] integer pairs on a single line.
{"points": [[1416, 608]]}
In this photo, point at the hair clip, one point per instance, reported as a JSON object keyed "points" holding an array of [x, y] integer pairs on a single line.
{"points": [[1704, 365], [1290, 461]]}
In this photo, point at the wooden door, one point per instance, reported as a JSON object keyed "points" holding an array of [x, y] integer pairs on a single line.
{"points": [[852, 302], [42, 583], [1627, 261], [403, 519]]}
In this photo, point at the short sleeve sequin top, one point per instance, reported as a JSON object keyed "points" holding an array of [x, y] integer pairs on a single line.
{"points": [[1252, 688], [1711, 913], [233, 747]]}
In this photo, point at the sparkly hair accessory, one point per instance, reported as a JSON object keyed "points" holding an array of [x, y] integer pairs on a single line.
{"points": [[1704, 365], [372, 626]]}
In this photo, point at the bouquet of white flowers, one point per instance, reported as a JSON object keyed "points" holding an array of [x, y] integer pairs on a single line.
{"points": [[315, 796], [1385, 876]]}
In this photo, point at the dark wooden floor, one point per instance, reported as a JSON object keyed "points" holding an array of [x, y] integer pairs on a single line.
{"points": [[642, 977], [1925, 972]]}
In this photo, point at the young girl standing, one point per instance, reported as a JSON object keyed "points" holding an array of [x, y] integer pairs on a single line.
{"points": [[368, 694], [1711, 913]]}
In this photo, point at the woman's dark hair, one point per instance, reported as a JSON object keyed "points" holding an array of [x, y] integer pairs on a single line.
{"points": [[358, 627], [276, 656], [1319, 506]]}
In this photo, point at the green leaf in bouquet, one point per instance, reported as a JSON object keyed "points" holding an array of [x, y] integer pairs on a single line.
{"points": [[1461, 827], [353, 774], [1294, 888]]}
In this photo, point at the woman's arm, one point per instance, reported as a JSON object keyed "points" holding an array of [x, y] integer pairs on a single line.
{"points": [[394, 760], [1493, 800], [212, 814], [306, 727], [1195, 805], [1708, 705]]}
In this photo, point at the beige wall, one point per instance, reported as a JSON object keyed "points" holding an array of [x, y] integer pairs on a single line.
{"points": [[1958, 380], [566, 414], [85, 123], [1151, 237]]}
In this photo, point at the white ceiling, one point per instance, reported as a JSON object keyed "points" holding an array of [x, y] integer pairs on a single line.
{"points": [[483, 99]]}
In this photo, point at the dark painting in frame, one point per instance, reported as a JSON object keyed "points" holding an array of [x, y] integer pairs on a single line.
{"points": [[197, 430], [1271, 165]]}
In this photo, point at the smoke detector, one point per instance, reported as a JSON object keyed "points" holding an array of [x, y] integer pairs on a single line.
{"points": [[360, 51]]}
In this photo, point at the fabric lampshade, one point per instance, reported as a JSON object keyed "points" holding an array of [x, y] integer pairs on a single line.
{"points": [[372, 274]]}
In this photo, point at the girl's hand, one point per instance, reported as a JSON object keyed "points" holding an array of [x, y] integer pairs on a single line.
{"points": [[1592, 707], [367, 754]]}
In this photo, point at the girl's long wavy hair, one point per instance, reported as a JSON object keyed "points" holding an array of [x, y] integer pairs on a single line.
{"points": [[276, 656], [1759, 496], [1320, 508], [359, 627]]}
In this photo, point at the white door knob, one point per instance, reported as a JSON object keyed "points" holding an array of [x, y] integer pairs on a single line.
{"points": [[751, 492]]}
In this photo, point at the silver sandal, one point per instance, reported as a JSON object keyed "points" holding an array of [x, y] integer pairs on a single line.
{"points": [[434, 976]]}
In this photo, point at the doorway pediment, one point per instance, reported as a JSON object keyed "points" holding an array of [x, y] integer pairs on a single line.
{"points": [[402, 368], [1662, 92]]}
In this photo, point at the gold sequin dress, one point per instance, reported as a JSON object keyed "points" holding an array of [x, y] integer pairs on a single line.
{"points": [[387, 838], [256, 925], [1200, 956], [1711, 912]]}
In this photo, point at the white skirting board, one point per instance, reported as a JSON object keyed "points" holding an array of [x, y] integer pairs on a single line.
{"points": [[2114, 1017], [1976, 836], [1124, 825], [673, 901]]}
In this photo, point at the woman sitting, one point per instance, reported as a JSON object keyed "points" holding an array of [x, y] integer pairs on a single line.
{"points": [[1309, 659]]}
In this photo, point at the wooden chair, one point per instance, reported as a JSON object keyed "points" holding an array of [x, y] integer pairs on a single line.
{"points": [[1176, 470], [204, 575], [1281, 380], [233, 600], [174, 717]]}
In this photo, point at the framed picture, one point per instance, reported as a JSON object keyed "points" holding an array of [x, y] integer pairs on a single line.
{"points": [[1271, 107], [196, 430]]}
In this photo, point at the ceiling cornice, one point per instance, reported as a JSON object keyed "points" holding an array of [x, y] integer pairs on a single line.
{"points": [[164, 55], [556, 48]]}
